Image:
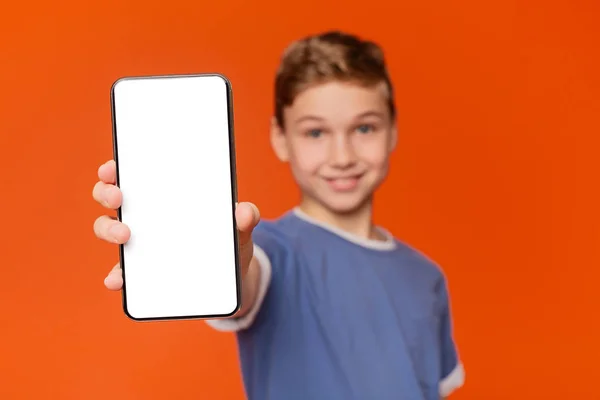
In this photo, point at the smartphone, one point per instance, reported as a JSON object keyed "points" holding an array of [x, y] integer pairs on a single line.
{"points": [[173, 143]]}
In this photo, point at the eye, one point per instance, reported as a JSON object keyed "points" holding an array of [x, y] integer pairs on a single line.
{"points": [[364, 128], [314, 133]]}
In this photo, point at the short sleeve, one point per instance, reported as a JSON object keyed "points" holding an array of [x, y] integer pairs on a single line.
{"points": [[268, 248], [452, 370], [238, 324]]}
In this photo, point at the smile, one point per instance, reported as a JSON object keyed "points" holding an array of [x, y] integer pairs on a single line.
{"points": [[344, 184]]}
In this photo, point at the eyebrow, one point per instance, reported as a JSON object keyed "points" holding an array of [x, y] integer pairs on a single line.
{"points": [[359, 116], [308, 118], [370, 114]]}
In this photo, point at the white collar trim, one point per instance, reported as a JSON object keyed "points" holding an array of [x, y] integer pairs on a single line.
{"points": [[388, 244]]}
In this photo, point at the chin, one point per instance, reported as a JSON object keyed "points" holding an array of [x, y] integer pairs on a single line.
{"points": [[339, 202], [346, 205]]}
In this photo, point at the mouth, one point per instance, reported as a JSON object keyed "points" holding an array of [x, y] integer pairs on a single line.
{"points": [[345, 183]]}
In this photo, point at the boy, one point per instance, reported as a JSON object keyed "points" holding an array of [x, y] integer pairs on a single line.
{"points": [[333, 307]]}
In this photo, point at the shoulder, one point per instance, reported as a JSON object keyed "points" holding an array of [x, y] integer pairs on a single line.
{"points": [[276, 245], [419, 264], [279, 227], [274, 235], [286, 233]]}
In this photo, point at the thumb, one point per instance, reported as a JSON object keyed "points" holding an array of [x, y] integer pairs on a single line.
{"points": [[247, 217]]}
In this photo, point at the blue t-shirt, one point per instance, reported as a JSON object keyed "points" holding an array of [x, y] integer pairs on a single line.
{"points": [[339, 317]]}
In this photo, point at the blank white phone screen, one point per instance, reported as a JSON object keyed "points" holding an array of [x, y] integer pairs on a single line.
{"points": [[174, 155]]}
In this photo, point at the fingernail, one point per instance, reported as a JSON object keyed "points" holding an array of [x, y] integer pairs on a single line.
{"points": [[255, 211]]}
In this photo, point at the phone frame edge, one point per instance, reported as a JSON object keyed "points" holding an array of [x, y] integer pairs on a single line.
{"points": [[234, 194]]}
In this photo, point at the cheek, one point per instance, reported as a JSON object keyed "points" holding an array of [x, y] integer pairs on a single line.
{"points": [[374, 153], [307, 158]]}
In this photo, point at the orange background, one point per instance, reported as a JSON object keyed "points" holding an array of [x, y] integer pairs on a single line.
{"points": [[495, 177]]}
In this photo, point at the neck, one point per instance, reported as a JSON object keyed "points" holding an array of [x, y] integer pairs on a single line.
{"points": [[358, 221]]}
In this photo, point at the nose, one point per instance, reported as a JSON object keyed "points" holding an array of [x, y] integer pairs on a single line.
{"points": [[342, 152]]}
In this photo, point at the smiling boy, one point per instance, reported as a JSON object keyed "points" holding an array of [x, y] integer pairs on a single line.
{"points": [[333, 306]]}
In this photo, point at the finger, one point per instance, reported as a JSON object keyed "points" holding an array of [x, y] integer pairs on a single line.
{"points": [[247, 217], [114, 279], [108, 195], [107, 172], [111, 230]]}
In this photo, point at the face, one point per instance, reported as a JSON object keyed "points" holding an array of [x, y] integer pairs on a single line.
{"points": [[337, 139]]}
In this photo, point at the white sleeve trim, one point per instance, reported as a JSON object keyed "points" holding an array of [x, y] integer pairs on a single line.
{"points": [[237, 324], [453, 381]]}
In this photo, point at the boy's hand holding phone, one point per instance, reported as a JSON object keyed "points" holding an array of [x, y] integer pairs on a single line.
{"points": [[111, 230]]}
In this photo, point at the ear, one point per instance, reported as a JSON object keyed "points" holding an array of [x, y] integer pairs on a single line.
{"points": [[394, 137], [279, 141]]}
